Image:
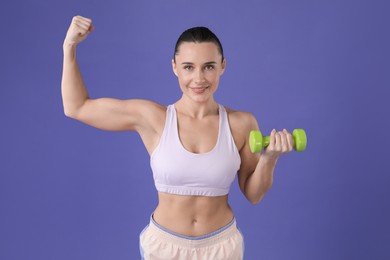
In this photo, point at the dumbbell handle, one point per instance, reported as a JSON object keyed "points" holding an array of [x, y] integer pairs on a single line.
{"points": [[266, 140]]}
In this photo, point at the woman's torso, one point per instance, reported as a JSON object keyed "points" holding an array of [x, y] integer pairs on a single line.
{"points": [[193, 215]]}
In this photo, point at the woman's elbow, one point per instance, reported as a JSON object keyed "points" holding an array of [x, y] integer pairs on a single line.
{"points": [[255, 201], [71, 113], [72, 110]]}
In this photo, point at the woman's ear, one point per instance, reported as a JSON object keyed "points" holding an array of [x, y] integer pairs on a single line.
{"points": [[174, 68], [223, 66]]}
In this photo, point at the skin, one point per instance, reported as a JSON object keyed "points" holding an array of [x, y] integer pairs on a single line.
{"points": [[198, 67]]}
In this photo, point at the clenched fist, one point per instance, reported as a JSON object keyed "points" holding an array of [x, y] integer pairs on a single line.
{"points": [[78, 30]]}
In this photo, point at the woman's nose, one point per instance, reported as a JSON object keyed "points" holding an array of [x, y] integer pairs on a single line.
{"points": [[199, 77]]}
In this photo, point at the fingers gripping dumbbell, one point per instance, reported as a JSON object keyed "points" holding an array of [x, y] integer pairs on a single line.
{"points": [[257, 141]]}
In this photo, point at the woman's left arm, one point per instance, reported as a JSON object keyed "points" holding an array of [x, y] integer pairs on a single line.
{"points": [[255, 176]]}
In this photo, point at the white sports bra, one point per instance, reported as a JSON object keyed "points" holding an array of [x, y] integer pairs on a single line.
{"points": [[178, 171]]}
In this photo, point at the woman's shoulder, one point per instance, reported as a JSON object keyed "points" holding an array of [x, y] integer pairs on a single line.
{"points": [[241, 123], [242, 118], [148, 106], [151, 111]]}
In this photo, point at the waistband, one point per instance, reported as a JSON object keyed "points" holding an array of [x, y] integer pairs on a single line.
{"points": [[209, 239]]}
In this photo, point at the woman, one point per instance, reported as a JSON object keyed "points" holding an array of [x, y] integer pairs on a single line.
{"points": [[197, 146]]}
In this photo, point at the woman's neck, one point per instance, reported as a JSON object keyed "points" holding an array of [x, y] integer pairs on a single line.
{"points": [[197, 110]]}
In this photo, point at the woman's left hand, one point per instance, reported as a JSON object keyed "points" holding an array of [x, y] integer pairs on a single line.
{"points": [[280, 143]]}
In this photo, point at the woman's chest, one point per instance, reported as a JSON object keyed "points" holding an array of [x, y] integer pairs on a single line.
{"points": [[198, 136], [202, 136]]}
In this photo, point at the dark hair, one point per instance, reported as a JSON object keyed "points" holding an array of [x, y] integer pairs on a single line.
{"points": [[198, 35]]}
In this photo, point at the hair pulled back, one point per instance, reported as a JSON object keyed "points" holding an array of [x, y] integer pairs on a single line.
{"points": [[198, 35]]}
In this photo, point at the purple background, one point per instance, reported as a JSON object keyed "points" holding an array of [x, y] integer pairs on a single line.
{"points": [[69, 191]]}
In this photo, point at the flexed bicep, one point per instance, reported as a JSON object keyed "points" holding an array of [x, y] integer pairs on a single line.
{"points": [[117, 115]]}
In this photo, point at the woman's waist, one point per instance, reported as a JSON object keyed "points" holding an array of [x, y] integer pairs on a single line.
{"points": [[192, 216]]}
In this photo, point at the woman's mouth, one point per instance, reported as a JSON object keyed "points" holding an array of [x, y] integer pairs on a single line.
{"points": [[199, 90]]}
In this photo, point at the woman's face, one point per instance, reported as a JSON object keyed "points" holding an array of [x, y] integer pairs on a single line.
{"points": [[198, 67]]}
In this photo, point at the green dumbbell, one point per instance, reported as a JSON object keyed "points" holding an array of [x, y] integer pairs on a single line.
{"points": [[257, 141]]}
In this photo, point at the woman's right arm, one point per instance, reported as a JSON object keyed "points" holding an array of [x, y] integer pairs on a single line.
{"points": [[104, 113]]}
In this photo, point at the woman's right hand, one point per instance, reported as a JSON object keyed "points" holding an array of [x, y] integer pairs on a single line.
{"points": [[78, 30]]}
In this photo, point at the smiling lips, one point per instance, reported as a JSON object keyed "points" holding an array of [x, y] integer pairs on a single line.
{"points": [[199, 90]]}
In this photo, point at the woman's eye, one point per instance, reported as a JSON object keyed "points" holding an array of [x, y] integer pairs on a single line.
{"points": [[209, 67], [188, 67]]}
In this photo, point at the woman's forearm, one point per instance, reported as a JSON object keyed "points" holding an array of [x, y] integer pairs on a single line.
{"points": [[74, 93], [260, 181]]}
